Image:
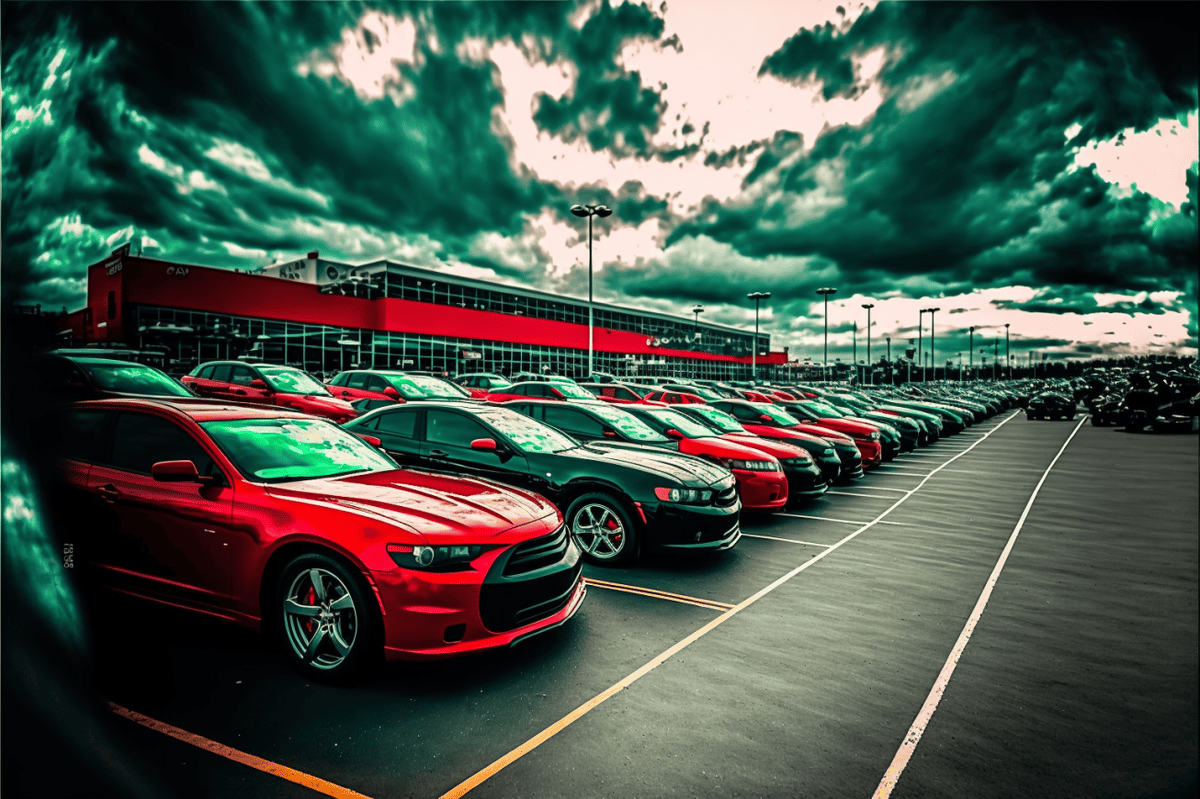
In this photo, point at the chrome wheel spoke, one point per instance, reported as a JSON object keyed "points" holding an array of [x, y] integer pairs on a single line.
{"points": [[344, 602], [317, 583], [311, 651], [296, 609], [339, 643]]}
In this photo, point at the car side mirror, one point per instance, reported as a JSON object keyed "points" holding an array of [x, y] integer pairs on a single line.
{"points": [[673, 433], [259, 384], [485, 445], [391, 393], [372, 440], [610, 433], [177, 472]]}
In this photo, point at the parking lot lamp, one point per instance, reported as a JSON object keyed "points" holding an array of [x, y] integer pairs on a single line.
{"points": [[590, 211], [932, 348], [870, 375], [756, 296], [825, 292], [921, 341], [1007, 352], [971, 352]]}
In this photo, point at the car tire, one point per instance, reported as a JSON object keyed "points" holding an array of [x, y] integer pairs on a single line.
{"points": [[342, 636], [602, 529]]}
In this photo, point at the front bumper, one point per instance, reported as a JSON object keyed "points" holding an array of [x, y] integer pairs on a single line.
{"points": [[871, 452], [691, 527], [762, 490], [806, 483]]}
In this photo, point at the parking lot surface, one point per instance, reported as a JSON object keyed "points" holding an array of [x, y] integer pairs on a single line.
{"points": [[793, 665]]}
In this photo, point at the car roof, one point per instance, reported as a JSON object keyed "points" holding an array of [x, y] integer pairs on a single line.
{"points": [[199, 409]]}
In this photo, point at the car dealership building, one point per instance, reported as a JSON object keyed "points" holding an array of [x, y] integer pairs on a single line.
{"points": [[325, 316]]}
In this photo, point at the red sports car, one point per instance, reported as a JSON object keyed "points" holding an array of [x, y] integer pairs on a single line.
{"points": [[361, 384], [263, 384], [675, 398], [288, 523]]}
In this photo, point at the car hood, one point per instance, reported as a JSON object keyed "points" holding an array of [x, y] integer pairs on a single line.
{"points": [[775, 448], [685, 469], [331, 404], [423, 502], [720, 448]]}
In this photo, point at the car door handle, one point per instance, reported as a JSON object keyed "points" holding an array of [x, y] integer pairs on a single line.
{"points": [[239, 391], [438, 453], [109, 492]]}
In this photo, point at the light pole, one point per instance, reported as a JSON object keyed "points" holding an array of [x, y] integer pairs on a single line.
{"points": [[1007, 353], [921, 340], [995, 357], [891, 374], [590, 211], [932, 348], [971, 353], [870, 374], [854, 351], [756, 296], [825, 292]]}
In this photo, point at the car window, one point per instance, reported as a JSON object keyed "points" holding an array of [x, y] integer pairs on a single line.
{"points": [[573, 421], [241, 375], [529, 390], [398, 423], [781, 416], [572, 391], [205, 372], [529, 435], [76, 433], [627, 423], [141, 440], [454, 429], [220, 373], [718, 418], [293, 381], [133, 378], [681, 422], [744, 412], [339, 380], [357, 380], [279, 450]]}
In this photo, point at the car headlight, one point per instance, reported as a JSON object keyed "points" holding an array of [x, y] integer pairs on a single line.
{"points": [[687, 496], [426, 558], [828, 451], [798, 462], [751, 466], [873, 435]]}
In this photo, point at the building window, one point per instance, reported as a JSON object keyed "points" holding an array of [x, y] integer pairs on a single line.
{"points": [[112, 305]]}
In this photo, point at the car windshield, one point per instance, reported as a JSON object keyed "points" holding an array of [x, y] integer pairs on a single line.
{"points": [[700, 391], [627, 423], [827, 411], [292, 381], [282, 450], [573, 391], [133, 378], [781, 416], [681, 422], [718, 419], [499, 382], [424, 387], [528, 435]]}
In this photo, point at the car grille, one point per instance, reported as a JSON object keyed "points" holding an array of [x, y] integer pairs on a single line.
{"points": [[533, 555], [505, 606]]}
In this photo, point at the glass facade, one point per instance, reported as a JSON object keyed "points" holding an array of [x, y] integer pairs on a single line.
{"points": [[188, 338]]}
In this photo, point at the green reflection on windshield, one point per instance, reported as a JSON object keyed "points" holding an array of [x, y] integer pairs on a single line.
{"points": [[277, 450], [529, 435]]}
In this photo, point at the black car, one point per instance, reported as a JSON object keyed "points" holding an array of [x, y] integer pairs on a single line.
{"points": [[1050, 405], [616, 500], [63, 378]]}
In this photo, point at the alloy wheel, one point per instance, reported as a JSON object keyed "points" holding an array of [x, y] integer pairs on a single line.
{"points": [[320, 619], [598, 531]]}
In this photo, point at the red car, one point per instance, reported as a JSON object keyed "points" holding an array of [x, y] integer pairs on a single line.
{"points": [[755, 396], [362, 384], [765, 418], [262, 384], [617, 394], [866, 435], [542, 389], [803, 476], [675, 398], [287, 523]]}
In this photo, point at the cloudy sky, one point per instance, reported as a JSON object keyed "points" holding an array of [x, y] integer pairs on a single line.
{"points": [[1034, 165]]}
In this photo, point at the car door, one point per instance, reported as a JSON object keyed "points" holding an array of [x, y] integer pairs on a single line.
{"points": [[214, 382], [169, 540], [74, 436], [447, 447], [240, 378], [342, 386]]}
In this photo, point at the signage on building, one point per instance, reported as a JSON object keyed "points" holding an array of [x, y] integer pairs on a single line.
{"points": [[114, 266], [177, 271], [471, 355]]}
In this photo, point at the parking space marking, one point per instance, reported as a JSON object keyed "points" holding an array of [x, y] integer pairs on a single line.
{"points": [[900, 490], [848, 494], [839, 521], [654, 593], [913, 737], [909, 472], [554, 729], [786, 540], [290, 774]]}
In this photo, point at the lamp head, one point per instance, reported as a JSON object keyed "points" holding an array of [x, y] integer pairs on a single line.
{"points": [[579, 210], [869, 305], [603, 210]]}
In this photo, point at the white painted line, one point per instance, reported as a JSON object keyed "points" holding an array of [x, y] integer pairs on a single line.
{"points": [[786, 540], [913, 737], [839, 521], [883, 488], [481, 776], [900, 472], [964, 471], [848, 494]]}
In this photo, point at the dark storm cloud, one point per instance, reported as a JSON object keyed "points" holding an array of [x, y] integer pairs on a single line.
{"points": [[962, 174], [607, 106]]}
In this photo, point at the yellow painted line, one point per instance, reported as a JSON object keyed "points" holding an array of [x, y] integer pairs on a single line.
{"points": [[497, 766], [290, 774], [787, 540], [656, 594]]}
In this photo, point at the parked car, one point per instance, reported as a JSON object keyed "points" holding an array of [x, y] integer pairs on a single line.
{"points": [[772, 421], [804, 478], [675, 397], [615, 499], [70, 378], [762, 485], [418, 386], [615, 393], [552, 390], [1051, 405], [480, 384], [859, 429], [362, 384], [522, 377], [285, 522], [263, 384]]}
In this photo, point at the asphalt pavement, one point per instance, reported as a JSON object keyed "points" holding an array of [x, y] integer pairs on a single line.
{"points": [[793, 665]]}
